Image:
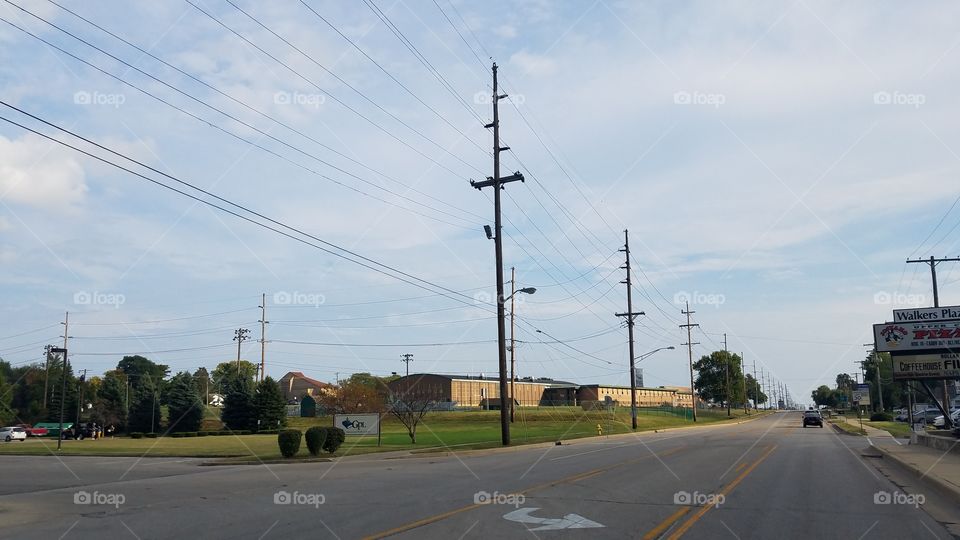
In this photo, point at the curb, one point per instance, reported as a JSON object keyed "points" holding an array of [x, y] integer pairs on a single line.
{"points": [[932, 481]]}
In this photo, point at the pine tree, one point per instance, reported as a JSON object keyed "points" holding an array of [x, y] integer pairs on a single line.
{"points": [[144, 406], [238, 412], [57, 395], [185, 406], [270, 407]]}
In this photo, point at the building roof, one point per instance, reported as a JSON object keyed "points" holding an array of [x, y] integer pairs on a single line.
{"points": [[619, 387], [308, 380], [534, 380]]}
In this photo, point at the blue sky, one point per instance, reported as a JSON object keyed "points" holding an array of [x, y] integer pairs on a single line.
{"points": [[775, 162]]}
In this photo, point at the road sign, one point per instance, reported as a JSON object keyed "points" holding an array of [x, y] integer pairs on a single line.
{"points": [[861, 394], [947, 313], [358, 424], [926, 366], [917, 336]]}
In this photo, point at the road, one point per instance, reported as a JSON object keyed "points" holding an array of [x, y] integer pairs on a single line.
{"points": [[769, 477]]}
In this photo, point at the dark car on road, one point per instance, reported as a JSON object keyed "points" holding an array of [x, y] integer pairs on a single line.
{"points": [[812, 418]]}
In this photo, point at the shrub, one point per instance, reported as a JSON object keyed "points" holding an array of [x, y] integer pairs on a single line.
{"points": [[178, 435], [316, 438], [880, 417], [136, 435], [289, 441], [150, 435], [203, 433], [335, 437], [243, 432], [190, 434]]}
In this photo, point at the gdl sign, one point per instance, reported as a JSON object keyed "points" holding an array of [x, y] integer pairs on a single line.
{"points": [[358, 424]]}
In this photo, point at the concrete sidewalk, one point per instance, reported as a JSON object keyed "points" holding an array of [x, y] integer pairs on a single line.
{"points": [[934, 467], [872, 432]]}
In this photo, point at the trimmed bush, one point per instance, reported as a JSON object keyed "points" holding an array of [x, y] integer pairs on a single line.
{"points": [[190, 434], [136, 435], [203, 433], [243, 432], [335, 437], [880, 417], [150, 435], [178, 435], [289, 441], [316, 437]]}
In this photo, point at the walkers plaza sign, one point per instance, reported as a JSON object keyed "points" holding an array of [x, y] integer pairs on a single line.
{"points": [[924, 343]]}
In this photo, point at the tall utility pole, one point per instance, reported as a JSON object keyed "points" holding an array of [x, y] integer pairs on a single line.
{"points": [[630, 316], [262, 372], [46, 375], [497, 184], [743, 377], [406, 359], [240, 335], [690, 344], [762, 388], [933, 261], [726, 366], [513, 344], [756, 388]]}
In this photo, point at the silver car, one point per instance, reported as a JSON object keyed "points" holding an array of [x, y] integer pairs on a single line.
{"points": [[13, 433]]}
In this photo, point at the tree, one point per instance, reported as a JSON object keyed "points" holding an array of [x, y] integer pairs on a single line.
{"points": [[7, 414], [144, 406], [356, 395], [269, 406], [137, 366], [823, 395], [754, 392], [201, 379], [713, 374], [892, 394], [57, 395], [185, 406], [110, 402], [844, 382], [225, 375], [411, 402], [238, 413]]}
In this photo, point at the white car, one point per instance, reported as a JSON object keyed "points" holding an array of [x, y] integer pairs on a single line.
{"points": [[13, 434], [954, 418]]}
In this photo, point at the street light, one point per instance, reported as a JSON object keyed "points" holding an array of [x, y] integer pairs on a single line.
{"points": [[633, 383], [646, 354], [63, 389], [513, 307]]}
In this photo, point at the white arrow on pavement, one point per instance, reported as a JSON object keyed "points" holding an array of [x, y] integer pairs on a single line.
{"points": [[569, 521]]}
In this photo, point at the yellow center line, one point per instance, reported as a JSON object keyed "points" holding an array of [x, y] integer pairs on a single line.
{"points": [[574, 478], [658, 530], [725, 491], [741, 466]]}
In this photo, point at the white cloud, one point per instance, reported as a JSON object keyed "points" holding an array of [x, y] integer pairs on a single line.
{"points": [[36, 173]]}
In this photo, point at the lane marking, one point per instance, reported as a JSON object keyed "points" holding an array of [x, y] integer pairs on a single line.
{"points": [[658, 530], [569, 479], [725, 491]]}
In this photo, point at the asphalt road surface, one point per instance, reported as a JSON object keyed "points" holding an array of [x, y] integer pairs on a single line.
{"points": [[767, 478]]}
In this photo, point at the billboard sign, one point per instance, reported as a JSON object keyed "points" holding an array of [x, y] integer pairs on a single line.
{"points": [[917, 336], [926, 366], [358, 424], [932, 314]]}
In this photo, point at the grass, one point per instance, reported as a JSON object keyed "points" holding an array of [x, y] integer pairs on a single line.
{"points": [[438, 431], [897, 429], [853, 429]]}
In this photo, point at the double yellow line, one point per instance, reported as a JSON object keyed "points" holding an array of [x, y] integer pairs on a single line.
{"points": [[569, 479], [683, 528]]}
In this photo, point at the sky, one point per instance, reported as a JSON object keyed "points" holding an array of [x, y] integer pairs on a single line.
{"points": [[775, 164]]}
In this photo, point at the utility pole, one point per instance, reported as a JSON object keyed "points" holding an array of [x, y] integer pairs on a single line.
{"points": [[756, 388], [263, 337], [743, 377], [240, 335], [83, 379], [762, 388], [630, 316], [497, 184], [690, 344], [406, 359], [933, 261], [726, 369], [513, 344]]}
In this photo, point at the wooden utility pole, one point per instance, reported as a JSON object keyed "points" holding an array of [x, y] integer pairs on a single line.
{"points": [[690, 344], [262, 372], [630, 316], [497, 184], [240, 335], [406, 359], [743, 377], [726, 369], [46, 375]]}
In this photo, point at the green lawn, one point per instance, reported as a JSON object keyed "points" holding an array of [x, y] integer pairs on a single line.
{"points": [[848, 427], [438, 431], [897, 429]]}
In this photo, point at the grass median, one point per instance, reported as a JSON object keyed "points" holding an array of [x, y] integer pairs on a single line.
{"points": [[460, 430]]}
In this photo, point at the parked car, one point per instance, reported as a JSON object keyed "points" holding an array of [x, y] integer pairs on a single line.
{"points": [[812, 418], [34, 431], [954, 418], [13, 433]]}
